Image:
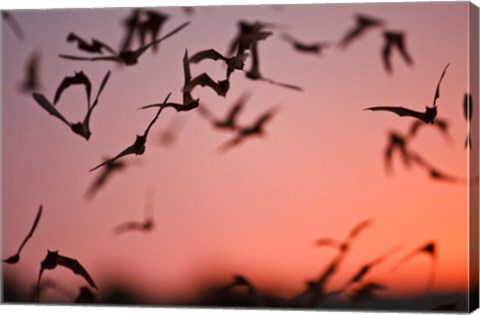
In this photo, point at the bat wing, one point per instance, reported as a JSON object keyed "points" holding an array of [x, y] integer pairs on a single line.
{"points": [[42, 101], [14, 25], [386, 52], [127, 226], [232, 143], [206, 54], [32, 230], [141, 50], [285, 85], [106, 58], [104, 46], [68, 81], [156, 116], [100, 89], [127, 151], [467, 107], [400, 111], [76, 268], [437, 91]]}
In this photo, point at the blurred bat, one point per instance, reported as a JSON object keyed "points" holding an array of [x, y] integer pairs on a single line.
{"points": [[367, 291], [441, 124], [31, 81], [236, 62], [79, 78], [434, 173], [345, 245], [146, 226], [188, 10], [85, 296], [311, 48], [153, 26], [254, 72], [169, 135], [229, 122], [53, 259], [138, 147], [429, 249], [95, 46], [127, 57], [13, 24], [15, 258], [430, 112], [363, 24], [241, 281], [257, 129], [248, 34], [394, 40], [108, 170], [131, 24], [220, 87], [467, 111], [398, 143]]}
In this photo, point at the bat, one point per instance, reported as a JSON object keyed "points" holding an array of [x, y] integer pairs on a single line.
{"points": [[127, 57], [430, 249], [441, 124], [434, 173], [236, 62], [146, 226], [394, 40], [311, 48], [152, 25], [229, 122], [467, 111], [254, 72], [85, 296], [13, 24], [16, 257], [31, 81], [53, 259], [398, 143], [95, 46], [363, 24], [344, 246], [108, 170], [138, 147], [79, 78], [427, 117], [189, 102], [131, 24], [248, 34], [220, 87], [256, 129]]}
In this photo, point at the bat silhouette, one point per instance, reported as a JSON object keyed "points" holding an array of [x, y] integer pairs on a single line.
{"points": [[434, 173], [146, 226], [430, 112], [95, 46], [441, 124], [80, 128], [236, 62], [79, 78], [254, 72], [108, 171], [31, 81], [394, 40], [397, 143], [13, 24], [189, 102], [85, 296], [127, 57], [430, 249], [229, 122], [153, 26], [363, 24], [138, 147], [15, 258], [311, 48], [467, 111], [345, 245], [248, 34], [241, 281], [131, 24], [53, 259], [256, 129], [220, 87]]}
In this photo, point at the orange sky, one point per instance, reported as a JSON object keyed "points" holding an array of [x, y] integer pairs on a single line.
{"points": [[257, 209]]}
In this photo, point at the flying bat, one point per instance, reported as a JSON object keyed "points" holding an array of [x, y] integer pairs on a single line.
{"points": [[79, 78], [127, 57], [146, 226], [15, 258], [256, 129], [310, 48], [236, 62], [53, 259], [131, 24], [13, 24], [467, 111], [220, 87], [95, 46], [434, 173], [152, 25], [100, 181], [441, 124], [363, 24], [427, 117], [248, 34], [138, 147], [254, 72], [398, 143], [394, 40], [31, 81], [430, 249], [229, 122], [344, 246]]}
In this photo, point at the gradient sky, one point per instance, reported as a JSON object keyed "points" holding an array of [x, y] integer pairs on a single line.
{"points": [[257, 209]]}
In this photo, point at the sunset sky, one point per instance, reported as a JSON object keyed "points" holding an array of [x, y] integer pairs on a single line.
{"points": [[255, 210]]}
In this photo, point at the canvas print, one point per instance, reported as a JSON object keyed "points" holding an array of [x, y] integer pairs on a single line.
{"points": [[320, 156]]}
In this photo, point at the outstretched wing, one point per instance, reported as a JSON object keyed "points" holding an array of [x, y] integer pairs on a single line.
{"points": [[77, 269], [127, 151], [145, 134], [400, 111], [107, 58], [206, 54], [32, 230], [42, 101], [78, 78], [437, 91]]}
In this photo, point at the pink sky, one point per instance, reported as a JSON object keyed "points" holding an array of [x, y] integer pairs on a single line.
{"points": [[257, 209]]}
